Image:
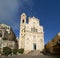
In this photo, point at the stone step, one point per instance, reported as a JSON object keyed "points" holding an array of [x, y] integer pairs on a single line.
{"points": [[27, 56], [35, 52]]}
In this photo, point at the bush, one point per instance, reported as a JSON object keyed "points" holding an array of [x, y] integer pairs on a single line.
{"points": [[21, 51], [14, 51], [4, 38], [7, 51]]}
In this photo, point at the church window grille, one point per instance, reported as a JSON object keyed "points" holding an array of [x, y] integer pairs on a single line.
{"points": [[36, 30], [33, 29]]}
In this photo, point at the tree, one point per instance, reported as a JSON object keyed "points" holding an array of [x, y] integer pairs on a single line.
{"points": [[7, 51]]}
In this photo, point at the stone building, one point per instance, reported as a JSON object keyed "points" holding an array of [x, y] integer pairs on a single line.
{"points": [[53, 46], [7, 37], [31, 34]]}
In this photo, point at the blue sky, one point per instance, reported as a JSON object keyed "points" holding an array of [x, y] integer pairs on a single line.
{"points": [[48, 11]]}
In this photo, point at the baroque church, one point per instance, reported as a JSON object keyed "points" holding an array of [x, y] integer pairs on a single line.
{"points": [[31, 35]]}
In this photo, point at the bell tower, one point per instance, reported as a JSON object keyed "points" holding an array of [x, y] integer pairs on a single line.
{"points": [[22, 30], [23, 18]]}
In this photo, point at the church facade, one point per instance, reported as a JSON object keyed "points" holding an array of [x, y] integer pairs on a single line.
{"points": [[31, 34]]}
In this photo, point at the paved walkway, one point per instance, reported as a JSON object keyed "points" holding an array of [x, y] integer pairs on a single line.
{"points": [[29, 56]]}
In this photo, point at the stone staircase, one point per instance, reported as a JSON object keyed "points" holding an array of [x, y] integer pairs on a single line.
{"points": [[35, 52], [28, 56]]}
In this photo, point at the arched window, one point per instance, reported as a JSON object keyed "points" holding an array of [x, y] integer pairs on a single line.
{"points": [[22, 21]]}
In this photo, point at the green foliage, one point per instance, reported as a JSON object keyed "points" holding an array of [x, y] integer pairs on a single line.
{"points": [[7, 51], [0, 50], [4, 38], [14, 51], [21, 51]]}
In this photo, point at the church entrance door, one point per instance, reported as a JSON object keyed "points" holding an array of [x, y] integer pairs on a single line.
{"points": [[34, 46]]}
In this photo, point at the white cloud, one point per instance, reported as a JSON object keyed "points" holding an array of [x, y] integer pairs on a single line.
{"points": [[9, 9]]}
